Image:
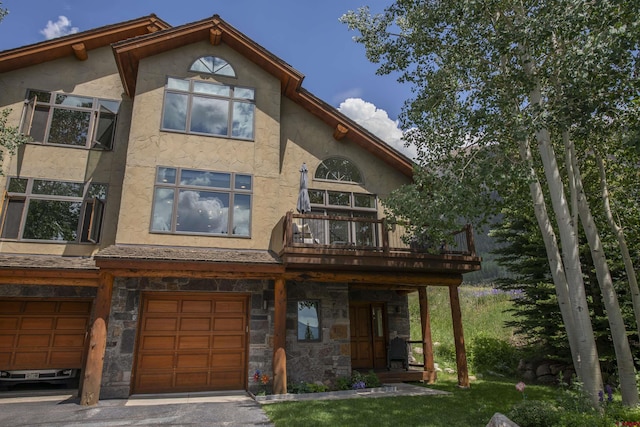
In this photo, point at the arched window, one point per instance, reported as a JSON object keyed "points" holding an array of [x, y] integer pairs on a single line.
{"points": [[338, 169], [212, 65]]}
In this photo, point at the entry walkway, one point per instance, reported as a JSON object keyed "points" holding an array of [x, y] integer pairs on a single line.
{"points": [[57, 408]]}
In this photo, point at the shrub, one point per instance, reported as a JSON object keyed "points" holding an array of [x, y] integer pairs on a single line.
{"points": [[358, 381], [534, 413], [493, 355]]}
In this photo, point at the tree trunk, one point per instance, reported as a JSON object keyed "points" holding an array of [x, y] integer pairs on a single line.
{"points": [[624, 358], [622, 243]]}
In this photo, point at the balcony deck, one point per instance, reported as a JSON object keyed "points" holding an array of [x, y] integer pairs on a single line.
{"points": [[354, 244]]}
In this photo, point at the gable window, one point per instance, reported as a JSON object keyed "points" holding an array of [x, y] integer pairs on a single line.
{"points": [[61, 211], [309, 320], [212, 65], [338, 169], [198, 107], [346, 205], [70, 120], [188, 201]]}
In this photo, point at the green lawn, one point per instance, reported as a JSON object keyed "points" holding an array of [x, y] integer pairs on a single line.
{"points": [[463, 407]]}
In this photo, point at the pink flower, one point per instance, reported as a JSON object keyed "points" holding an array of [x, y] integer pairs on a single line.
{"points": [[520, 387]]}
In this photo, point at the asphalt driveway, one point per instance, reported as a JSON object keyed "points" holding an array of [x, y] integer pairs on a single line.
{"points": [[61, 408]]}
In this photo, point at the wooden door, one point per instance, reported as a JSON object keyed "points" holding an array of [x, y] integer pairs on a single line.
{"points": [[191, 342], [368, 335]]}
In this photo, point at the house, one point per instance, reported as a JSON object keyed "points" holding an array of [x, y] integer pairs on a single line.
{"points": [[149, 233]]}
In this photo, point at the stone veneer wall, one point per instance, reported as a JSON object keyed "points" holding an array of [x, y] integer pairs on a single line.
{"points": [[40, 291], [331, 357], [125, 310]]}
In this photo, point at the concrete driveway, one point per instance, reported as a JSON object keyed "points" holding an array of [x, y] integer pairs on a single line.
{"points": [[61, 408]]}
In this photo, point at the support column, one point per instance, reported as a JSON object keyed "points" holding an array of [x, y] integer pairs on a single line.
{"points": [[458, 337], [91, 380], [427, 342], [279, 337]]}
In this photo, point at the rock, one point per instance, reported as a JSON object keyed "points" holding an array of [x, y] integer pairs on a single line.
{"points": [[499, 420], [543, 370]]}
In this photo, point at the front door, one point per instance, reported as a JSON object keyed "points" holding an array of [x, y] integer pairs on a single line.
{"points": [[368, 335]]}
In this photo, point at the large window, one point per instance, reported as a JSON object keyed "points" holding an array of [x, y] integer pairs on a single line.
{"points": [[193, 106], [338, 169], [309, 320], [61, 211], [212, 65], [71, 120], [344, 204], [203, 202]]}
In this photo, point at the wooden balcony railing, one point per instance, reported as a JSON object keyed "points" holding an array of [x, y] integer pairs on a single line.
{"points": [[370, 234]]}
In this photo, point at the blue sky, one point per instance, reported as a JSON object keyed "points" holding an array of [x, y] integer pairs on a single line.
{"points": [[306, 34]]}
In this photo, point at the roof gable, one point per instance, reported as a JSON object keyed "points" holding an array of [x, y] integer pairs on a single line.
{"points": [[78, 44]]}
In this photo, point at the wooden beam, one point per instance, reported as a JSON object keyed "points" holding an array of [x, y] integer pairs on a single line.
{"points": [[458, 337], [39, 276], [89, 390], [145, 267], [427, 342], [340, 131], [279, 337], [215, 36], [377, 278], [80, 51]]}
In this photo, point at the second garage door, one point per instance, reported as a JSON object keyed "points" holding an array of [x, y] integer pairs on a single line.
{"points": [[191, 342]]}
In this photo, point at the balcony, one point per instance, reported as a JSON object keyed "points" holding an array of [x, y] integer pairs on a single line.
{"points": [[320, 242]]}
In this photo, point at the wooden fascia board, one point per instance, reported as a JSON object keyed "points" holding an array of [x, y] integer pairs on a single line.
{"points": [[60, 47], [355, 132], [157, 268], [402, 280], [129, 53], [54, 277]]}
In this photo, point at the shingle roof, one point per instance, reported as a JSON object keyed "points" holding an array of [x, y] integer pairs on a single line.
{"points": [[46, 262], [170, 253]]}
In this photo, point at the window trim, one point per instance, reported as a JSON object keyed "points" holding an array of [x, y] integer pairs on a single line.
{"points": [[190, 94], [318, 318], [91, 142], [92, 229], [177, 188]]}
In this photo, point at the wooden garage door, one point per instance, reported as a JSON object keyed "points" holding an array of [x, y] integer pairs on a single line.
{"points": [[191, 342], [42, 334]]}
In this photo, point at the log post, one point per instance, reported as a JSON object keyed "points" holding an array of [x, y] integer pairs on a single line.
{"points": [[458, 337], [279, 337], [89, 391], [427, 342]]}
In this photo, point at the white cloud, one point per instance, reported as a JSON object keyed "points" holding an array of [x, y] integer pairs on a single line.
{"points": [[376, 121], [60, 28]]}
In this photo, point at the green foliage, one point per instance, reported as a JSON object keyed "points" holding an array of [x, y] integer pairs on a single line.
{"points": [[534, 413], [493, 355], [10, 136]]}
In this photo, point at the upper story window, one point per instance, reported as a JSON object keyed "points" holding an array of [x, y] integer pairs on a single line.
{"points": [[70, 120], [194, 106], [195, 201], [338, 169], [61, 211], [212, 65]]}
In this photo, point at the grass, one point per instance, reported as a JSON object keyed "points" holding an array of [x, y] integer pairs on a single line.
{"points": [[463, 407]]}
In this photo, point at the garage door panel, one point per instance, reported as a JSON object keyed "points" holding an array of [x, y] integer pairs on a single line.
{"points": [[43, 334], [157, 361], [158, 342], [162, 306], [195, 324], [209, 337], [67, 358], [230, 307], [34, 340], [72, 323], [199, 360], [195, 306], [160, 324], [194, 342], [228, 342], [228, 324], [40, 307], [37, 323]]}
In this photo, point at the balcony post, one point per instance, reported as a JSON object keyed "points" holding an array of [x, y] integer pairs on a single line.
{"points": [[385, 235], [427, 343], [458, 337], [279, 337]]}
